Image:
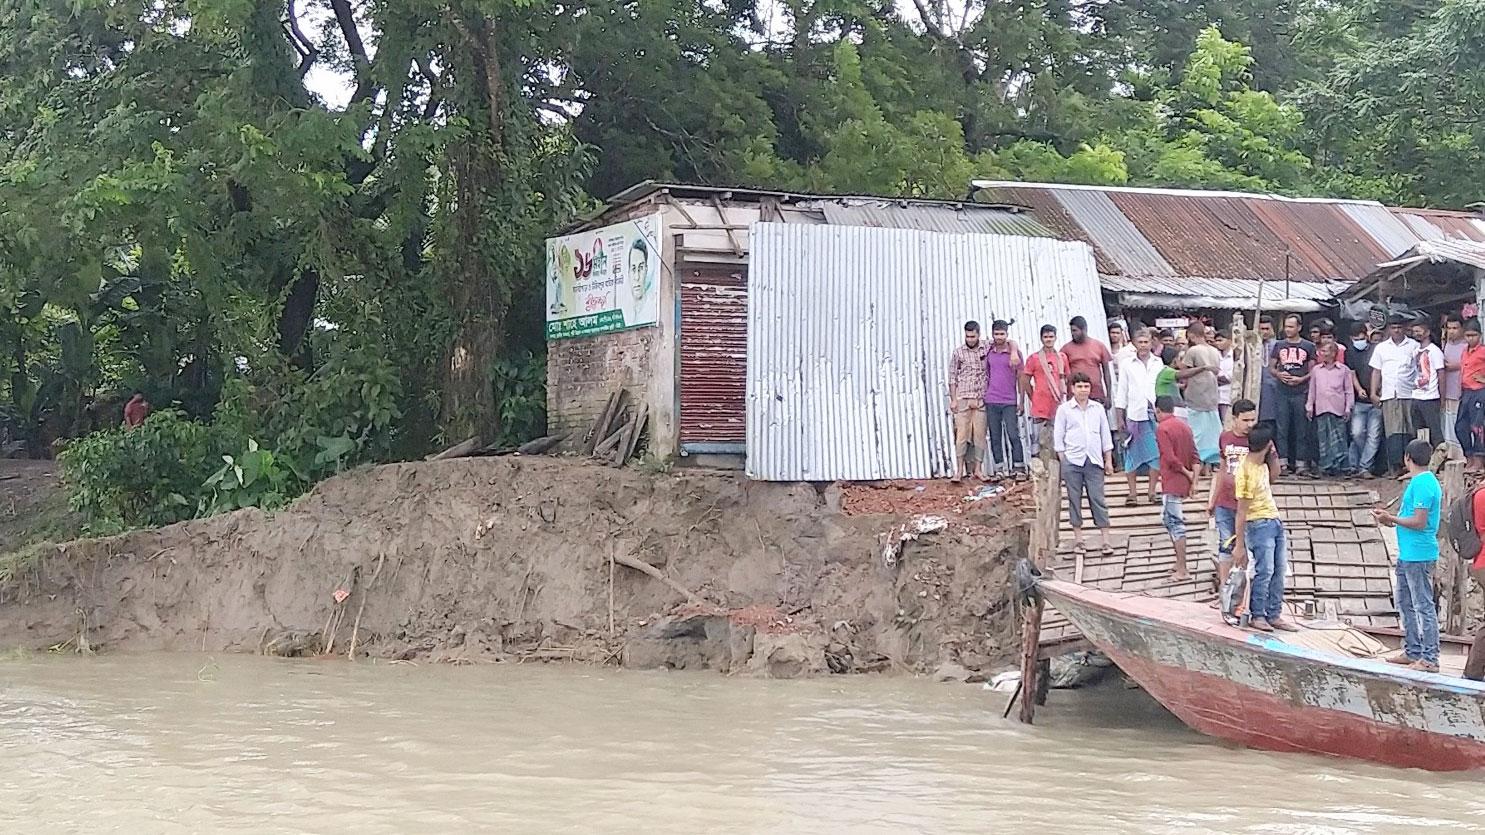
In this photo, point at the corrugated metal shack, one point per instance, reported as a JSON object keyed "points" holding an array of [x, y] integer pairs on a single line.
{"points": [[850, 330], [690, 366], [1184, 250]]}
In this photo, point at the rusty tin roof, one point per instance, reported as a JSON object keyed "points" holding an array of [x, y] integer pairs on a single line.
{"points": [[1228, 240]]}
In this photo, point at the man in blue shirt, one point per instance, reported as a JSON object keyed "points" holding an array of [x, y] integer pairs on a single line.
{"points": [[1417, 522]]}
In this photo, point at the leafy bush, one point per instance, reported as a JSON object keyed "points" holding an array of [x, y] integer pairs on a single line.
{"points": [[273, 437], [521, 396], [255, 478], [146, 476]]}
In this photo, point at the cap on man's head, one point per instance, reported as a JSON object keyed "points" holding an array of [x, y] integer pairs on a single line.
{"points": [[1397, 319]]}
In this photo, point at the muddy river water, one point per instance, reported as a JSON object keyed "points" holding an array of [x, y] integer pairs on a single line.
{"points": [[188, 743]]}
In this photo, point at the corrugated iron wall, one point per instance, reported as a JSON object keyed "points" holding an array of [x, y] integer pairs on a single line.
{"points": [[714, 348], [850, 330]]}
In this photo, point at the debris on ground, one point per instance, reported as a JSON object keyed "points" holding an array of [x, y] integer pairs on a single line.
{"points": [[938, 496], [908, 531]]}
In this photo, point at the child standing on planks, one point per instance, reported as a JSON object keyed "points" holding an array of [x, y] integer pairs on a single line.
{"points": [[1178, 465]]}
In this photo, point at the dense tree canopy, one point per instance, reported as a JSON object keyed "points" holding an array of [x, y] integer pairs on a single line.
{"points": [[225, 203]]}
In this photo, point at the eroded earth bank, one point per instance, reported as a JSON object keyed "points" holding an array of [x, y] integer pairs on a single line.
{"points": [[517, 559]]}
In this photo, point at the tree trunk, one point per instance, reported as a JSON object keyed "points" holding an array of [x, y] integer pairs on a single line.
{"points": [[479, 304], [297, 317], [479, 293]]}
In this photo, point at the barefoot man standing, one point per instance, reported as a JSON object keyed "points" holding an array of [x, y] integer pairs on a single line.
{"points": [[1178, 465]]}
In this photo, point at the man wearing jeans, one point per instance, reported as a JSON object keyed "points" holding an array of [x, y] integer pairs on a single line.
{"points": [[1290, 364], [1366, 417], [1417, 523], [1003, 396], [1080, 434], [1260, 533], [1179, 462]]}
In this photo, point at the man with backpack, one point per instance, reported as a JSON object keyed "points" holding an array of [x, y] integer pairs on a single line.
{"points": [[1417, 523], [1463, 521]]}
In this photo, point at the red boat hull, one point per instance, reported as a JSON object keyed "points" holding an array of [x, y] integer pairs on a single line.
{"points": [[1256, 691]]}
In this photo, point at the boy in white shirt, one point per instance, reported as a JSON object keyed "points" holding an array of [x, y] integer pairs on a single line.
{"points": [[1428, 367]]}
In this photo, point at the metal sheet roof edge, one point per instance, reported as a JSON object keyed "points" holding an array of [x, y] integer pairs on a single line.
{"points": [[1174, 192]]}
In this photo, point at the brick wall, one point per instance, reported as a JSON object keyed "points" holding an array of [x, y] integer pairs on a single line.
{"points": [[583, 372]]}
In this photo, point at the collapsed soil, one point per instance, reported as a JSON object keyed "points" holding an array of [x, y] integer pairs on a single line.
{"points": [[523, 558]]}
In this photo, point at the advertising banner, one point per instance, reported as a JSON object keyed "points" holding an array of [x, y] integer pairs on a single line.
{"points": [[604, 279]]}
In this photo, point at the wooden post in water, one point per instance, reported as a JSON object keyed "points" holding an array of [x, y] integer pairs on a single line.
{"points": [[1031, 638], [1045, 477], [1454, 579]]}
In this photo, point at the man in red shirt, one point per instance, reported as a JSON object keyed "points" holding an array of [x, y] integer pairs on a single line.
{"points": [[1091, 357], [1178, 465], [1045, 380], [1469, 428], [136, 410]]}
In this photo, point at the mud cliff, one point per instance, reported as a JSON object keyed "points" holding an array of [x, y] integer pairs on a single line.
{"points": [[534, 558]]}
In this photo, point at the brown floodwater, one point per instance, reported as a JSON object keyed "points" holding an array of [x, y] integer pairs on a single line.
{"points": [[195, 743]]}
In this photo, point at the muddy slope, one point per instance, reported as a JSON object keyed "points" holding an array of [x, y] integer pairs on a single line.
{"points": [[510, 558]]}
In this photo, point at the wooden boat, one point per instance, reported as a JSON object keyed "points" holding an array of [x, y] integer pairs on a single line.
{"points": [[1300, 692]]}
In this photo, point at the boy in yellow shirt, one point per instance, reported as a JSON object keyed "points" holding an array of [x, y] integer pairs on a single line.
{"points": [[1259, 532]]}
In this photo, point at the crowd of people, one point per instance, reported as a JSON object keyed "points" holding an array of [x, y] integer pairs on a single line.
{"points": [[1159, 405]]}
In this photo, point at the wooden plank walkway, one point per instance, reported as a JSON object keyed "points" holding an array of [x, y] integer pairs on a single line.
{"points": [[1338, 557]]}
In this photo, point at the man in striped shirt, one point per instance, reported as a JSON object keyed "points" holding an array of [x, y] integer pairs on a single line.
{"points": [[967, 379]]}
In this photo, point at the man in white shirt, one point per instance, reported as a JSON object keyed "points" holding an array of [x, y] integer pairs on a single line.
{"points": [[1392, 367], [1223, 344], [1134, 412], [1080, 434], [1428, 372]]}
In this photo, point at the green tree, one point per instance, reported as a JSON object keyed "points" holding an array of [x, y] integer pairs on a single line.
{"points": [[1397, 114]]}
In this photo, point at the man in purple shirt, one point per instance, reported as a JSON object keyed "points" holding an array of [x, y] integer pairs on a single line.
{"points": [[1332, 393], [1002, 396]]}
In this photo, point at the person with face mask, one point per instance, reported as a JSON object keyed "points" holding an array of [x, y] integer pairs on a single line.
{"points": [[1366, 416]]}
